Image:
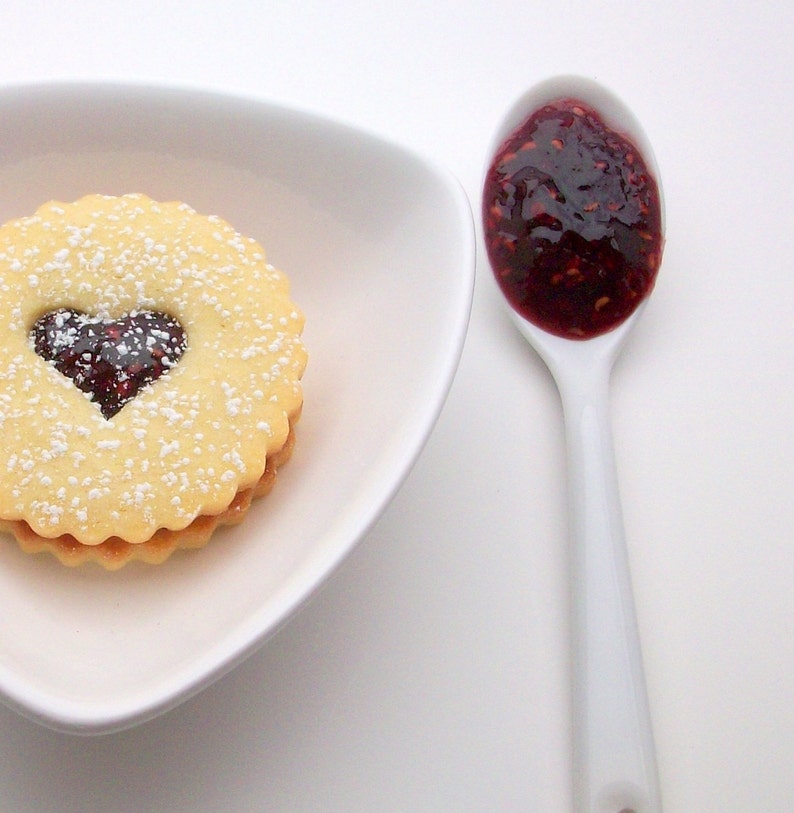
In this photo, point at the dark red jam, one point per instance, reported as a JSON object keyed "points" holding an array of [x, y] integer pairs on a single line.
{"points": [[572, 221], [111, 360]]}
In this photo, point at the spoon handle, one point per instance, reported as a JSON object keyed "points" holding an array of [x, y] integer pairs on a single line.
{"points": [[614, 760]]}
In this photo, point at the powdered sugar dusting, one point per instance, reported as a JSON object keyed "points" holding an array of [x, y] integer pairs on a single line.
{"points": [[191, 439]]}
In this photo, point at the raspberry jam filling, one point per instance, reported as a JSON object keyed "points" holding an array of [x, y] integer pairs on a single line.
{"points": [[572, 222], [110, 359]]}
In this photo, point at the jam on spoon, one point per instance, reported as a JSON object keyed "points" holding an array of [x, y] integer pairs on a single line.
{"points": [[572, 221], [574, 228], [110, 359]]}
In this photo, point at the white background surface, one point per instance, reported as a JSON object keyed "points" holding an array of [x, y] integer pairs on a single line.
{"points": [[431, 673]]}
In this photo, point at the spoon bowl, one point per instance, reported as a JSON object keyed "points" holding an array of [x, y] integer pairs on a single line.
{"points": [[614, 763]]}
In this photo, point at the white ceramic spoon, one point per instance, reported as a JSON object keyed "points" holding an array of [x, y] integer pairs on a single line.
{"points": [[614, 758]]}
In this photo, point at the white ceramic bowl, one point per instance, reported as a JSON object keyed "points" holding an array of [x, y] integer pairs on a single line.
{"points": [[379, 245]]}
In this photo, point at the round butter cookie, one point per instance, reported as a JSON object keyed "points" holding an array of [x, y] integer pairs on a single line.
{"points": [[150, 369]]}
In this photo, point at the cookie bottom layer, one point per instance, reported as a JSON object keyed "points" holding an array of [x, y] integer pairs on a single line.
{"points": [[115, 552]]}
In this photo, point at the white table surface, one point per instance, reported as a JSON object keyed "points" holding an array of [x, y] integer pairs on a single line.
{"points": [[431, 672]]}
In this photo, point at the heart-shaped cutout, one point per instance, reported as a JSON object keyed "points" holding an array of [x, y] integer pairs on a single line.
{"points": [[110, 359]]}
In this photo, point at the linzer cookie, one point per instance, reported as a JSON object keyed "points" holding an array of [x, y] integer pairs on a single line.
{"points": [[150, 368]]}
